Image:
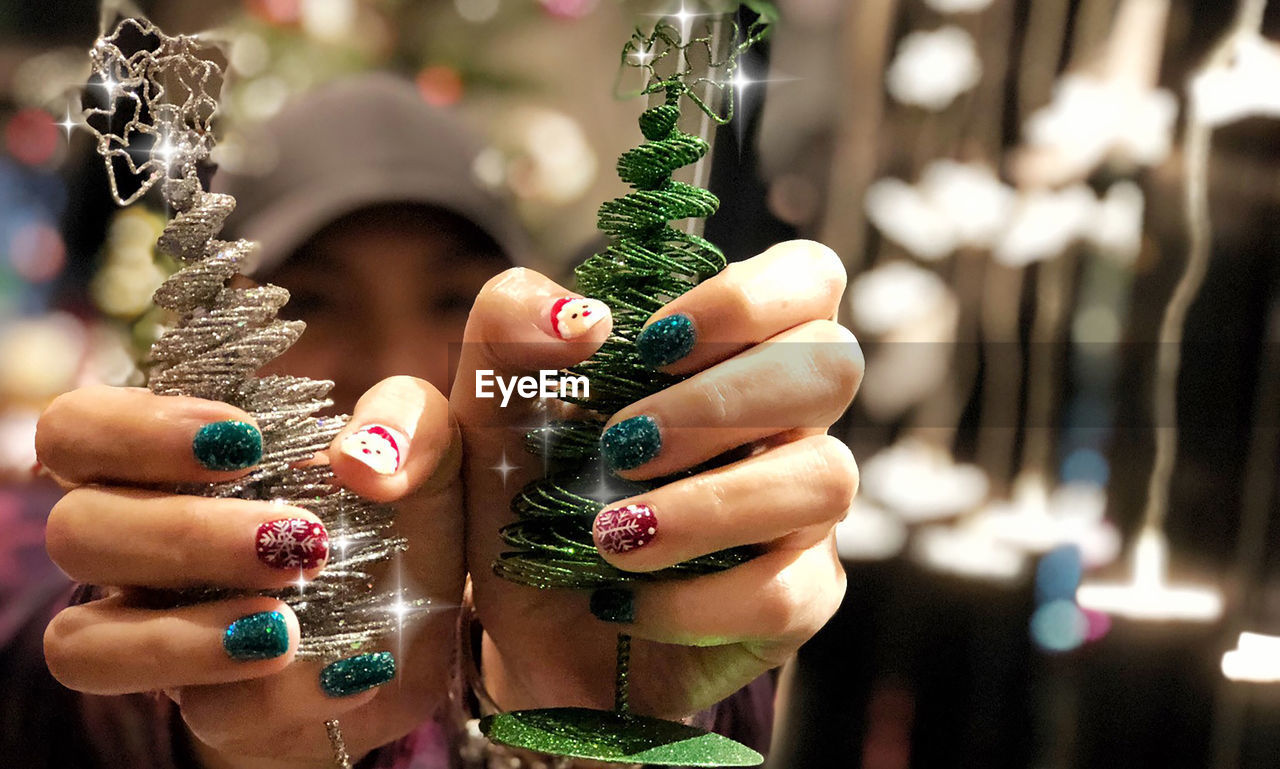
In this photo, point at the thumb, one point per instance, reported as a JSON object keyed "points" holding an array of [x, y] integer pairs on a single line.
{"points": [[522, 325]]}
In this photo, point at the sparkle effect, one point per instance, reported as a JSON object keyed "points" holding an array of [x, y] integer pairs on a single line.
{"points": [[504, 468]]}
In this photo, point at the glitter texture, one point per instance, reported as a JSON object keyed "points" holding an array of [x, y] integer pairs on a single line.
{"points": [[631, 442], [259, 636], [228, 445], [666, 341], [607, 736], [356, 674]]}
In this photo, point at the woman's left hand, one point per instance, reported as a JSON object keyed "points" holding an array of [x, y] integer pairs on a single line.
{"points": [[769, 373]]}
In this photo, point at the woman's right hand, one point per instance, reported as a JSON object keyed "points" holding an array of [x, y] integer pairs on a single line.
{"points": [[227, 663]]}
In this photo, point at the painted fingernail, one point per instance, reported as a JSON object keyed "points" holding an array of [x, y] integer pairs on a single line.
{"points": [[623, 529], [613, 604], [666, 341], [356, 674], [259, 636], [228, 445], [631, 442], [292, 543], [379, 447], [572, 317]]}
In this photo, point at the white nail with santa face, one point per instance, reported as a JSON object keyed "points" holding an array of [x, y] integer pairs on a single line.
{"points": [[380, 447], [572, 316]]}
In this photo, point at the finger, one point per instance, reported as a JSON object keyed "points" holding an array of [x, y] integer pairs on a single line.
{"points": [[400, 438], [521, 325], [128, 435], [805, 377], [113, 536], [112, 647], [777, 600], [747, 303], [794, 494]]}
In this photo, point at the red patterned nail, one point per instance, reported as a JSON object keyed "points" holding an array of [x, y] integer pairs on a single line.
{"points": [[292, 543], [623, 529]]}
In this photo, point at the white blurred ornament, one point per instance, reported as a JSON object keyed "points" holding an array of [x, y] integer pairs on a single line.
{"points": [[869, 533], [549, 159], [930, 69], [1037, 519], [18, 441], [966, 552], [958, 6], [912, 313], [919, 482], [1091, 120], [954, 205], [1043, 224], [1255, 659], [40, 357], [1148, 595], [1245, 88]]}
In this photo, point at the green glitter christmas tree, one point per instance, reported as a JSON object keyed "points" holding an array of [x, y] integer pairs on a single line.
{"points": [[647, 263]]}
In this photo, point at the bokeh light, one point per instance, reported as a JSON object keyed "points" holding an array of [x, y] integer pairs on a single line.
{"points": [[440, 85], [31, 137], [37, 252], [1059, 626], [1058, 574]]}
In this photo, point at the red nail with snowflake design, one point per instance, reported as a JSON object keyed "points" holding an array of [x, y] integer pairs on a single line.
{"points": [[378, 446], [620, 530], [292, 543]]}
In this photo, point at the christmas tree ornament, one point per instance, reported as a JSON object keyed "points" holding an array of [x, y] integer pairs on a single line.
{"points": [[646, 264], [151, 103]]}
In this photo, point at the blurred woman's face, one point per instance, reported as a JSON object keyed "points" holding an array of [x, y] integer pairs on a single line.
{"points": [[381, 297]]}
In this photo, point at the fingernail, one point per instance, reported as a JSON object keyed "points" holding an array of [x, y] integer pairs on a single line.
{"points": [[292, 543], [356, 674], [379, 447], [666, 341], [259, 636], [623, 529], [228, 445], [613, 604], [572, 317], [631, 442]]}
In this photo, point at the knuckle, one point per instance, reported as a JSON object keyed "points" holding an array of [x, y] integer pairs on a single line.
{"points": [[822, 263], [60, 651], [61, 530], [52, 427], [839, 356], [838, 472], [779, 607]]}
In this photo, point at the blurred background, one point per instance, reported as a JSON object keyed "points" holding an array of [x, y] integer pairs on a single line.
{"points": [[1018, 188]]}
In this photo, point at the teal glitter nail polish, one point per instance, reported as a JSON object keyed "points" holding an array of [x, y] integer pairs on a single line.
{"points": [[259, 636], [228, 445], [356, 674], [631, 442], [613, 604], [666, 341]]}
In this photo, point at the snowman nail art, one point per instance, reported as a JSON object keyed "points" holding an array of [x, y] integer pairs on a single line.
{"points": [[572, 317], [381, 448]]}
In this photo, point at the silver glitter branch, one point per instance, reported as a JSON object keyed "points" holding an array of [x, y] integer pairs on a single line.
{"points": [[224, 335]]}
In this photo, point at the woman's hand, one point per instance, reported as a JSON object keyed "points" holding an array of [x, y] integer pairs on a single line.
{"points": [[229, 664], [770, 372]]}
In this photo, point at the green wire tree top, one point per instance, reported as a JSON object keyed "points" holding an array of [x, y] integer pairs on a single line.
{"points": [[647, 263]]}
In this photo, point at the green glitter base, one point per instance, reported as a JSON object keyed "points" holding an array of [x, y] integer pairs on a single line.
{"points": [[605, 735]]}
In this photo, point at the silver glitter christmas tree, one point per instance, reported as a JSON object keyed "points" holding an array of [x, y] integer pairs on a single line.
{"points": [[152, 103]]}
